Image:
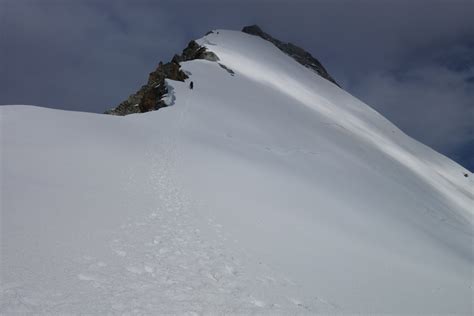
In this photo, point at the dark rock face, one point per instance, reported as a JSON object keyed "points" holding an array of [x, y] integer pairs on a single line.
{"points": [[297, 53], [194, 51], [230, 71], [148, 97]]}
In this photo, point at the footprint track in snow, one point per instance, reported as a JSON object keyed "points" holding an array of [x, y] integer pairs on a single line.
{"points": [[170, 260]]}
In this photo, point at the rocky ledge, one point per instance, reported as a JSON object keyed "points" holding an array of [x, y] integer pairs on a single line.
{"points": [[149, 97], [297, 53]]}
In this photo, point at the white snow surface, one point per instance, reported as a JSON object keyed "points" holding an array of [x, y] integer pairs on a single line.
{"points": [[272, 191]]}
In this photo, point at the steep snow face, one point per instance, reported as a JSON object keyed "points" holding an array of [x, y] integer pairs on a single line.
{"points": [[260, 63], [269, 190]]}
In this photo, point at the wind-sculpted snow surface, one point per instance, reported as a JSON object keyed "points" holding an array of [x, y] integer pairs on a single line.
{"points": [[263, 190]]}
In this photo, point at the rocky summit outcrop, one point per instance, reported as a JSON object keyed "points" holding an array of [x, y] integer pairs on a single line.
{"points": [[297, 53], [149, 96]]}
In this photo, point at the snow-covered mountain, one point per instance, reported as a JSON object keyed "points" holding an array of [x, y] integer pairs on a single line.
{"points": [[264, 189]]}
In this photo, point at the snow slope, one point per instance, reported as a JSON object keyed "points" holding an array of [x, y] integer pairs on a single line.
{"points": [[268, 191]]}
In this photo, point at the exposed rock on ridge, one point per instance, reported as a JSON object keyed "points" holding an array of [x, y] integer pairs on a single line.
{"points": [[149, 96], [297, 53]]}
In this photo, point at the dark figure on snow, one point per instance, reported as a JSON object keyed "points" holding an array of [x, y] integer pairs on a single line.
{"points": [[191, 85]]}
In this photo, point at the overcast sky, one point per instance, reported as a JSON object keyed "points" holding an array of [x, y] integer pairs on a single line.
{"points": [[413, 61]]}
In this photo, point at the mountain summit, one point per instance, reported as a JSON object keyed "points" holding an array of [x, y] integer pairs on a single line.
{"points": [[150, 96], [259, 187]]}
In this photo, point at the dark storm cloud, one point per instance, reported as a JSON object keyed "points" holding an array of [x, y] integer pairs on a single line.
{"points": [[75, 55], [411, 60]]}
